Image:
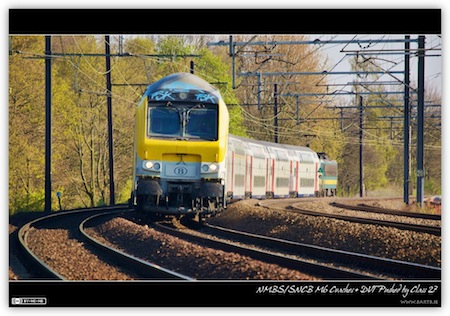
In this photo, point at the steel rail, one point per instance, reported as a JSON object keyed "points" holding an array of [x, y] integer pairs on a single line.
{"points": [[142, 267], [315, 269], [433, 230], [32, 261], [403, 269], [374, 209]]}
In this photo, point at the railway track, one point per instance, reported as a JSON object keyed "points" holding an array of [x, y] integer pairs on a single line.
{"points": [[248, 249], [434, 230], [145, 269], [80, 219], [333, 264], [375, 265], [36, 266], [374, 209]]}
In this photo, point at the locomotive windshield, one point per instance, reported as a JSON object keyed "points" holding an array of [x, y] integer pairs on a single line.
{"points": [[183, 121], [330, 170]]}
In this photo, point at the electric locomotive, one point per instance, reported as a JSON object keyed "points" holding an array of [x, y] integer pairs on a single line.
{"points": [[327, 175], [181, 138]]}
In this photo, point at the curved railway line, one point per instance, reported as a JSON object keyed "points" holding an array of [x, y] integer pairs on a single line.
{"points": [[434, 230], [43, 270], [375, 209], [375, 265], [144, 268], [80, 222], [37, 266], [246, 248], [319, 262]]}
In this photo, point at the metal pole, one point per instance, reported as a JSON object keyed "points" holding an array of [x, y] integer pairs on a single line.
{"points": [[275, 112], [391, 134], [420, 118], [406, 128], [110, 129], [259, 91], [233, 78], [361, 171], [48, 124], [120, 44]]}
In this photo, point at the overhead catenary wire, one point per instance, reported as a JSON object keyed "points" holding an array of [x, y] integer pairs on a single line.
{"points": [[247, 114]]}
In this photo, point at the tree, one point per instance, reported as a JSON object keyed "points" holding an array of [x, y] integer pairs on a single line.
{"points": [[79, 103], [208, 66], [26, 124], [378, 149]]}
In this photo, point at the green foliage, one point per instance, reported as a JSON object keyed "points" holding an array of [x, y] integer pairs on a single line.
{"points": [[432, 187], [173, 45], [237, 122], [31, 202], [26, 125], [79, 131], [125, 193], [213, 69], [139, 45]]}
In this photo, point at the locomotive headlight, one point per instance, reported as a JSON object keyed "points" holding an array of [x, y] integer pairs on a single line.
{"points": [[151, 166], [147, 165], [213, 167], [209, 168]]}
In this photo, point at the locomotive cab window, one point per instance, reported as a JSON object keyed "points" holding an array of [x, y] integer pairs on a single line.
{"points": [[183, 121], [202, 123], [331, 170], [163, 122]]}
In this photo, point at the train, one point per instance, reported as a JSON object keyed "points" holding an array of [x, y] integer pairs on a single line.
{"points": [[187, 164]]}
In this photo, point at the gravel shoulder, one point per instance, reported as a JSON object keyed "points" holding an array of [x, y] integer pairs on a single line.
{"points": [[71, 258], [325, 207], [76, 262], [375, 240], [187, 258]]}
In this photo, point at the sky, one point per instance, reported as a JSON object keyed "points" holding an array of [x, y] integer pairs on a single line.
{"points": [[317, 4], [342, 53], [391, 59]]}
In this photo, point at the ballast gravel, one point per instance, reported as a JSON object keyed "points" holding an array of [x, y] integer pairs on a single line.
{"points": [[76, 261], [70, 258], [387, 242], [190, 259]]}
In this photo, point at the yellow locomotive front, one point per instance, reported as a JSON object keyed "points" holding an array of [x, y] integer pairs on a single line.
{"points": [[181, 137]]}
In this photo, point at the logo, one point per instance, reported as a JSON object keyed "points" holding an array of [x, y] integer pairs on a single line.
{"points": [[29, 301], [180, 171]]}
